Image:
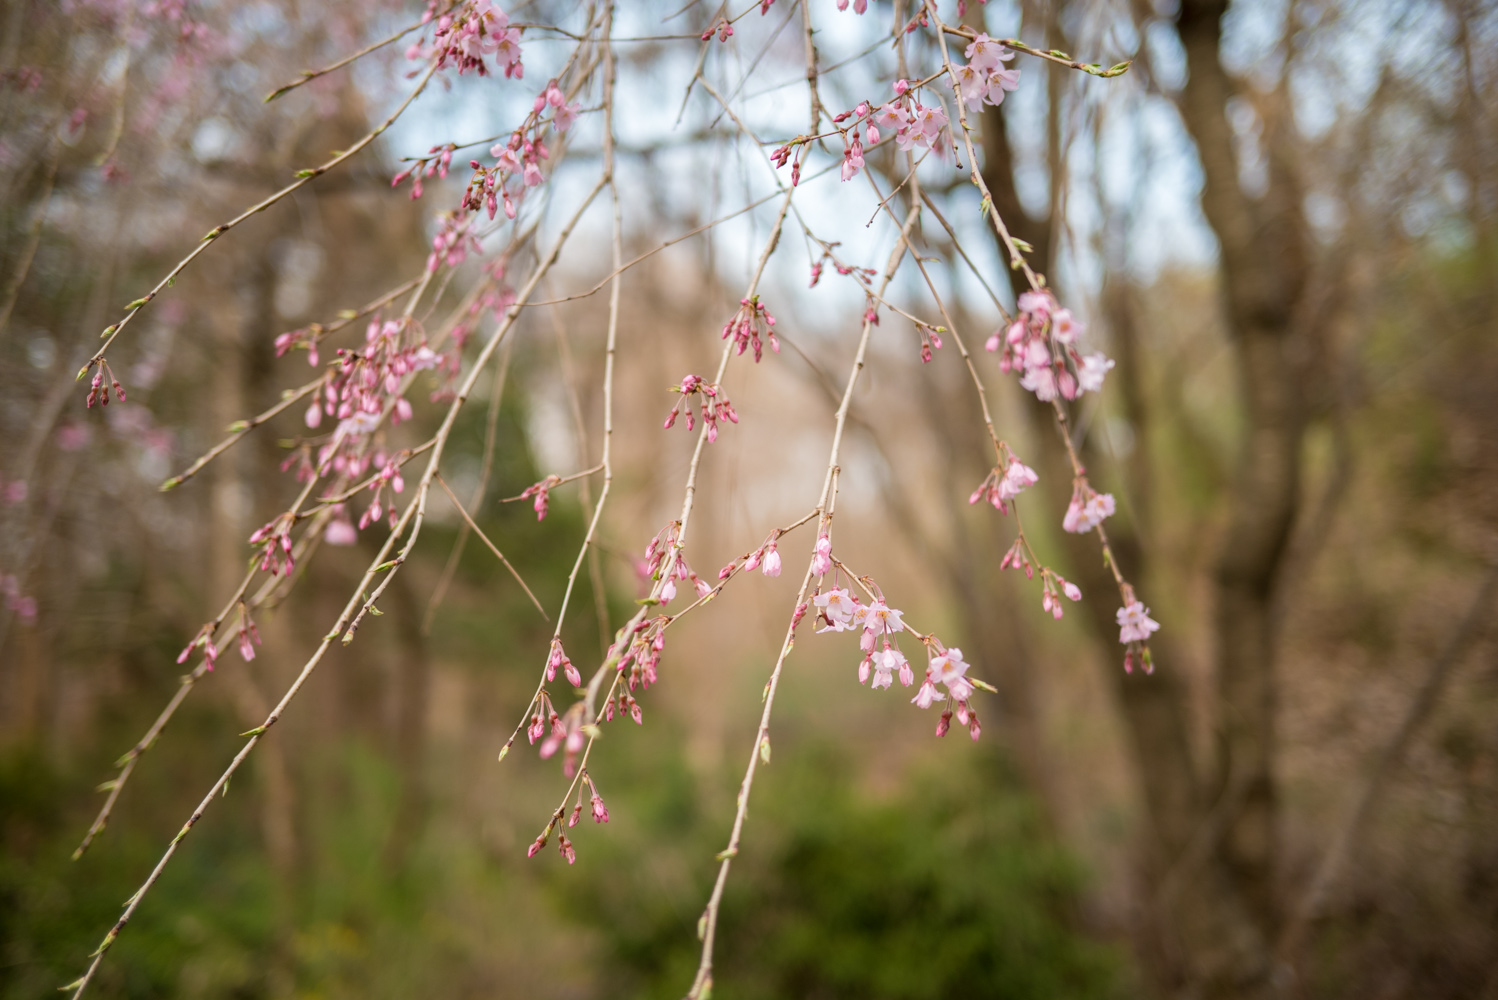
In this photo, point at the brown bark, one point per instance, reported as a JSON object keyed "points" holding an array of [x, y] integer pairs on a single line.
{"points": [[1264, 260]]}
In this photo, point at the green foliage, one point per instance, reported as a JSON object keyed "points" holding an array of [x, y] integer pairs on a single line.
{"points": [[947, 888]]}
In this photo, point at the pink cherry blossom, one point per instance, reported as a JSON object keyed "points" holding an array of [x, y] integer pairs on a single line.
{"points": [[1135, 623]]}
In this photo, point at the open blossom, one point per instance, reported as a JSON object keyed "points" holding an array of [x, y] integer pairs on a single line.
{"points": [[1135, 623], [1094, 368], [878, 620], [950, 669], [888, 662], [1087, 509], [836, 607], [985, 53]]}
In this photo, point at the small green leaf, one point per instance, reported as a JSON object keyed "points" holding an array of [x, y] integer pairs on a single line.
{"points": [[504, 751], [237, 426], [724, 855], [254, 732], [348, 314], [306, 173], [764, 749], [137, 304]]}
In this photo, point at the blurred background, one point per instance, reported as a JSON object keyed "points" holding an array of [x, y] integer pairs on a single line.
{"points": [[1281, 223]]}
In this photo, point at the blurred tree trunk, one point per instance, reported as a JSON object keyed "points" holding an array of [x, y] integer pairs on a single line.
{"points": [[1264, 260], [1209, 848]]}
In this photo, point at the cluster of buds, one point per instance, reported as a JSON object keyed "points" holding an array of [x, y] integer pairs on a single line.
{"points": [[464, 38], [1052, 586], [567, 733], [985, 79], [275, 538], [453, 242], [1041, 345], [747, 324], [361, 387], [204, 641], [766, 559], [713, 404], [557, 659], [667, 564], [1018, 558], [1001, 487], [1088, 507], [389, 476], [861, 274], [563, 844], [723, 26], [639, 651], [436, 162], [621, 704], [544, 719], [600, 811], [930, 337], [104, 380], [948, 669], [540, 495], [249, 636], [859, 6]]}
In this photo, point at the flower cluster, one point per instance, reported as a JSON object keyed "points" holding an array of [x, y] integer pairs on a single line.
{"points": [[746, 326], [1088, 508], [914, 125], [948, 669], [1000, 487], [437, 161], [841, 611], [274, 537], [1052, 586], [466, 37], [713, 404], [557, 660], [1134, 629], [1041, 345], [365, 385], [639, 652], [517, 160], [389, 475], [985, 79]]}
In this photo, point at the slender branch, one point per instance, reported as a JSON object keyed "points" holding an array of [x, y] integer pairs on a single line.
{"points": [[308, 75], [708, 925], [492, 547], [304, 177]]}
